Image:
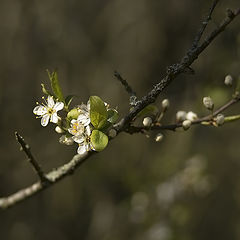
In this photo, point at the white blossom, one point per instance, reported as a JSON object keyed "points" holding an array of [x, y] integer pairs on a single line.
{"points": [[181, 116], [48, 111], [59, 130], [84, 143], [165, 104], [208, 103], [228, 80], [191, 116], [147, 122], [186, 124], [159, 137], [84, 116], [220, 119]]}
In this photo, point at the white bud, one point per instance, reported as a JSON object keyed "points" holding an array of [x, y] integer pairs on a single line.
{"points": [[112, 133], [228, 80], [66, 140], [147, 121], [191, 116], [159, 137], [220, 119], [181, 116], [165, 104], [59, 130], [208, 103], [186, 124]]}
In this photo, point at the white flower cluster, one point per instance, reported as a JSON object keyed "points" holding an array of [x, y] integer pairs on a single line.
{"points": [[79, 130]]}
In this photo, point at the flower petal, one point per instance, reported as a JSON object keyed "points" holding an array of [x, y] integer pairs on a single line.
{"points": [[78, 138], [40, 110], [88, 130], [84, 119], [54, 118], [45, 120], [50, 102], [58, 106], [81, 149]]}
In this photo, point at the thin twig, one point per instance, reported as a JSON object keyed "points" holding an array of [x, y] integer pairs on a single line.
{"points": [[204, 25], [132, 94], [174, 126], [26, 148]]}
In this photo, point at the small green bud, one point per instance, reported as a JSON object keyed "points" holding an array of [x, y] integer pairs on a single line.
{"points": [[73, 114], [147, 121], [228, 80], [186, 124], [208, 103]]}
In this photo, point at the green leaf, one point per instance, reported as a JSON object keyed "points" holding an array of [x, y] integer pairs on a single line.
{"points": [[112, 116], [56, 86], [148, 110], [68, 100], [45, 91], [98, 112], [99, 140]]}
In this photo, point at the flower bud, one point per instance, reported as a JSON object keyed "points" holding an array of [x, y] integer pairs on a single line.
{"points": [[73, 114], [147, 121], [165, 104], [159, 137], [208, 103], [228, 80], [66, 140], [220, 119], [181, 116], [186, 124], [112, 133], [59, 130], [191, 116]]}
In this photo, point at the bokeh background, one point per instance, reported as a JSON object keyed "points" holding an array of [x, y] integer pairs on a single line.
{"points": [[187, 187]]}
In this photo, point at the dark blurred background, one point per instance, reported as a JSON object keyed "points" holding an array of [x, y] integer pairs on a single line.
{"points": [[185, 188]]}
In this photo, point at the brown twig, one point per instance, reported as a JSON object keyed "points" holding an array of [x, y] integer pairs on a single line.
{"points": [[26, 148], [132, 94]]}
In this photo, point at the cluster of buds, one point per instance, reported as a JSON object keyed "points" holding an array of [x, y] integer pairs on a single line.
{"points": [[186, 118]]}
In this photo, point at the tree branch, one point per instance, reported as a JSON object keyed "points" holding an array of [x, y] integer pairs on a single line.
{"points": [[172, 72], [53, 177]]}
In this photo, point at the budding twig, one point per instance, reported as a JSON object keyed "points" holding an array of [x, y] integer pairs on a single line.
{"points": [[133, 97], [173, 127], [174, 71], [26, 148], [124, 124]]}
